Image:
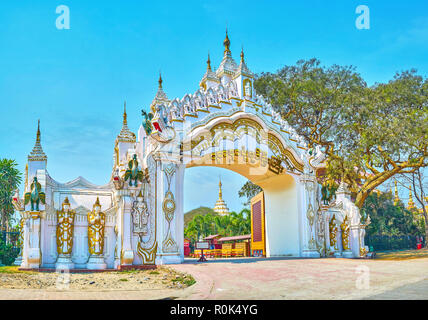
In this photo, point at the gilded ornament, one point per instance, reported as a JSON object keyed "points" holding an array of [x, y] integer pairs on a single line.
{"points": [[345, 233], [333, 232], [65, 229], [96, 225]]}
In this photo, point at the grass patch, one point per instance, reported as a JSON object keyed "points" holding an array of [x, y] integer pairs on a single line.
{"points": [[154, 272], [402, 254], [123, 279], [13, 269], [187, 280]]}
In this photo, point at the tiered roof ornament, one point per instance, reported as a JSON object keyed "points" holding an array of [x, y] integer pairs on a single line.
{"points": [[160, 97], [242, 68], [220, 206], [125, 134], [209, 75], [37, 153], [227, 66]]}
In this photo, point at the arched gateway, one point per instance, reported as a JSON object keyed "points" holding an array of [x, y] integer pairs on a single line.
{"points": [[137, 218]]}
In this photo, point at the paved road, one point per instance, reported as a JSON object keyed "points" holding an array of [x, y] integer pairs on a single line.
{"points": [[281, 278], [308, 279]]}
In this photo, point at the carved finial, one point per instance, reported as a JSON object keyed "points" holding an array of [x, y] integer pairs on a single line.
{"points": [[124, 113], [38, 131], [209, 63], [242, 54], [160, 80], [97, 203], [66, 201], [226, 44], [220, 193]]}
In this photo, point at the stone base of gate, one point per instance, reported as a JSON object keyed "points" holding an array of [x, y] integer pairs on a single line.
{"points": [[311, 254], [168, 259], [96, 263]]}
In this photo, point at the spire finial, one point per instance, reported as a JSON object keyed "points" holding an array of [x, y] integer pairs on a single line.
{"points": [[124, 113], [209, 62], [226, 43], [220, 194], [160, 80], [242, 54], [97, 203], [38, 131]]}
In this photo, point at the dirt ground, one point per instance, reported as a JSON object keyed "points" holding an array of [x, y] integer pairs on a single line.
{"points": [[402, 254], [161, 278]]}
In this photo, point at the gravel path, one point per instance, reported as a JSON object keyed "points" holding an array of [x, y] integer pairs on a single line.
{"points": [[161, 278]]}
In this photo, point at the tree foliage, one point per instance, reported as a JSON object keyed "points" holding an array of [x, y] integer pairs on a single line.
{"points": [[232, 224], [388, 219], [10, 178], [249, 190], [368, 133]]}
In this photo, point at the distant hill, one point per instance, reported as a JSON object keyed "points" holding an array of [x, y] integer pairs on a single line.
{"points": [[188, 216]]}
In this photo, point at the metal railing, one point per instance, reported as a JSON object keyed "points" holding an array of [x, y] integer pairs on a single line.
{"points": [[380, 243]]}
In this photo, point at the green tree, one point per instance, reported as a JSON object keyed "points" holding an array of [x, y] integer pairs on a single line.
{"points": [[232, 224], [249, 190], [10, 178], [388, 219], [369, 134]]}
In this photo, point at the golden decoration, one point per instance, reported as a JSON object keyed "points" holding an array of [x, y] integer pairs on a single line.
{"points": [[275, 165], [345, 233], [96, 225], [273, 142], [65, 229], [333, 232], [148, 255]]}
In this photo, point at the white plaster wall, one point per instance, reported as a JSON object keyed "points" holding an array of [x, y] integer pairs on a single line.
{"points": [[282, 222]]}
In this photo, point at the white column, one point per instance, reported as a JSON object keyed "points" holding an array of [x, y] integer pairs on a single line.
{"points": [[127, 254], [169, 221]]}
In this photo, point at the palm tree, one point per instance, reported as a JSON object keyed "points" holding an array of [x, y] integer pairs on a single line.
{"points": [[10, 178]]}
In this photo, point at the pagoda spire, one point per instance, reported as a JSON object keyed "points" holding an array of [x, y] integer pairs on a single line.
{"points": [[220, 193], [220, 206], [160, 80], [37, 153], [209, 63], [410, 204], [160, 97], [227, 66], [396, 198], [226, 44], [125, 134], [125, 121]]}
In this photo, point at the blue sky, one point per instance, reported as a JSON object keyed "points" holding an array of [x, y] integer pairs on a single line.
{"points": [[76, 80]]}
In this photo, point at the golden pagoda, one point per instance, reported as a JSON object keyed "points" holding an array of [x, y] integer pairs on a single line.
{"points": [[411, 204], [396, 198], [220, 206]]}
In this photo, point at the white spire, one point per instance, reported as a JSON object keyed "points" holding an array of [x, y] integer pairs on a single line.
{"points": [[242, 68], [125, 134], [227, 66], [160, 97], [37, 153]]}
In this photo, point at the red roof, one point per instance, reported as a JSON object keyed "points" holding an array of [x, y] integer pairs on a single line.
{"points": [[213, 236], [234, 238]]}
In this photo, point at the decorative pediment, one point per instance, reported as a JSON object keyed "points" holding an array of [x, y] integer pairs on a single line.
{"points": [[79, 183]]}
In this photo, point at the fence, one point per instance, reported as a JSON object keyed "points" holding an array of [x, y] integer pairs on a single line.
{"points": [[380, 243]]}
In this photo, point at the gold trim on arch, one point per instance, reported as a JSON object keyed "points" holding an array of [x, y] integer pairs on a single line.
{"points": [[273, 142]]}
